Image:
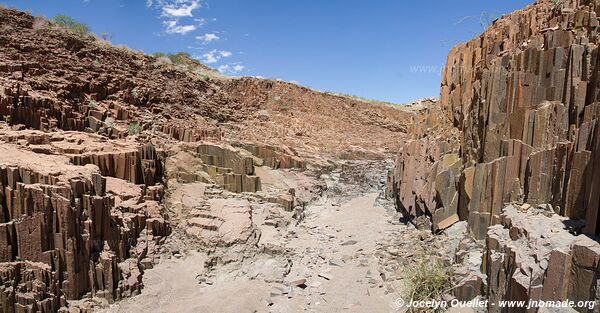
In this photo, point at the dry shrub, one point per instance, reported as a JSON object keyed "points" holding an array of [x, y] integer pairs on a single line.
{"points": [[39, 23], [428, 280], [164, 60]]}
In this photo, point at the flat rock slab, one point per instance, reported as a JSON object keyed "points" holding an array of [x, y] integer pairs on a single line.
{"points": [[223, 222]]}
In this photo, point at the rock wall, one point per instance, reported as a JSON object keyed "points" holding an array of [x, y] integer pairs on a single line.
{"points": [[530, 256], [523, 98], [524, 95], [62, 237], [425, 179], [139, 166], [272, 156], [228, 168], [521, 105]]}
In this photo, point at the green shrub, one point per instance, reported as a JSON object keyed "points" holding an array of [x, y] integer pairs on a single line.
{"points": [[175, 58], [180, 57], [134, 128], [281, 106], [70, 24], [7, 119]]}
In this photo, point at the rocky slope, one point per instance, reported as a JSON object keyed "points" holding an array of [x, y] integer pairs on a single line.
{"points": [[112, 161], [79, 82], [519, 109]]}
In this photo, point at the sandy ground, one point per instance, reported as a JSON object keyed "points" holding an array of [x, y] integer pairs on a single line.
{"points": [[346, 255], [340, 243], [333, 249]]}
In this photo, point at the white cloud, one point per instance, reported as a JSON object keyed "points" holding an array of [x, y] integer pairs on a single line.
{"points": [[231, 68], [201, 21], [214, 56], [178, 15], [209, 58], [174, 28], [206, 38], [180, 8], [182, 17]]}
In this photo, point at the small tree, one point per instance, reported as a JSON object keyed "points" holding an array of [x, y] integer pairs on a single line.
{"points": [[70, 24]]}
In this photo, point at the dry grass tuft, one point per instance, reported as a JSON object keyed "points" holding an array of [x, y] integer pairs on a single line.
{"points": [[39, 23], [428, 280]]}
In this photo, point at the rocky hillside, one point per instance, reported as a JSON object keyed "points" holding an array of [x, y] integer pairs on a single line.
{"points": [[519, 157], [81, 82], [105, 152]]}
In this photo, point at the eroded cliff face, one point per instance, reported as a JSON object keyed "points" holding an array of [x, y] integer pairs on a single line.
{"points": [[64, 232], [523, 101], [525, 97]]}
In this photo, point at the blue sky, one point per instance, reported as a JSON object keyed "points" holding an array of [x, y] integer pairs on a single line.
{"points": [[390, 50]]}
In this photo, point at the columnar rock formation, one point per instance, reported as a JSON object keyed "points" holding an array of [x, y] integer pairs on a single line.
{"points": [[524, 99], [63, 237], [91, 135], [530, 256], [524, 95]]}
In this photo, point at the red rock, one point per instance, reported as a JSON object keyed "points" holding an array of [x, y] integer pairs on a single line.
{"points": [[523, 99]]}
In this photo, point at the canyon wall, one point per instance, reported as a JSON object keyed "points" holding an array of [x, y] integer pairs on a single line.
{"points": [[64, 234], [525, 98], [520, 105]]}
